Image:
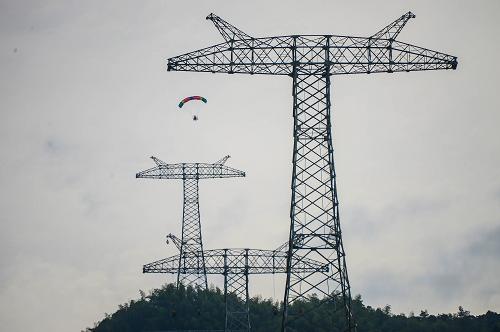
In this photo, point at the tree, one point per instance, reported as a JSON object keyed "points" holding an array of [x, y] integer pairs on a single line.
{"points": [[183, 308]]}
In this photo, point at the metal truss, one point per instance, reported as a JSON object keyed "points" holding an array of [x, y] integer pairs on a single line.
{"points": [[341, 54], [236, 265], [315, 231], [249, 261], [311, 60], [236, 295], [191, 245]]}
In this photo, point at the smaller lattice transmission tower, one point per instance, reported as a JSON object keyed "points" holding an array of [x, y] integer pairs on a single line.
{"points": [[191, 256]]}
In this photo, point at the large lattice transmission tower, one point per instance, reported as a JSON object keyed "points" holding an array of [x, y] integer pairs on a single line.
{"points": [[236, 265], [311, 60], [191, 244]]}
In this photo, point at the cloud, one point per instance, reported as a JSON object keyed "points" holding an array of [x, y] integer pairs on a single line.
{"points": [[55, 147], [487, 245], [465, 276], [497, 194]]}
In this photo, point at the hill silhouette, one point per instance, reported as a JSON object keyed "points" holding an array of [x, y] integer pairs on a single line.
{"points": [[169, 308]]}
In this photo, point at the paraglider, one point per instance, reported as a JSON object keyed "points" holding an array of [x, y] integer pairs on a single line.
{"points": [[188, 99]]}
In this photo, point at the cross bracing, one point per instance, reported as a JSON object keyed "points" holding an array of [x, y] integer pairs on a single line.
{"points": [[236, 261]]}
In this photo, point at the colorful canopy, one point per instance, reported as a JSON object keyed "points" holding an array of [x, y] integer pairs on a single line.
{"points": [[185, 100]]}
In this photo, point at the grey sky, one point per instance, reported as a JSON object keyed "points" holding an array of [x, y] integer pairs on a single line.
{"points": [[85, 99]]}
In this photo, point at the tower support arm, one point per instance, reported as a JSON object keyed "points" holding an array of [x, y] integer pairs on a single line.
{"points": [[223, 160], [175, 240], [228, 31], [392, 30]]}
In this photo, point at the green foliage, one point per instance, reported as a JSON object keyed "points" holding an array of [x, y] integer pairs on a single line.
{"points": [[170, 308]]}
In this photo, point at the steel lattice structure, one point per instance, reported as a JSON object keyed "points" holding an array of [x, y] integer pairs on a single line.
{"points": [[311, 60], [191, 241], [236, 265]]}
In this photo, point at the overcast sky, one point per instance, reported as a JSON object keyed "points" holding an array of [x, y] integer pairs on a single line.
{"points": [[85, 99]]}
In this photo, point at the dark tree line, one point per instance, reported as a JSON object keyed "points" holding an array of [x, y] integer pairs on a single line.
{"points": [[170, 308]]}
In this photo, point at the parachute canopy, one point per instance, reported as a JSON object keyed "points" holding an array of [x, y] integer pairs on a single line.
{"points": [[185, 100]]}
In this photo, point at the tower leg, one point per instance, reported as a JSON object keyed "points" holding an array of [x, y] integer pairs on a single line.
{"points": [[236, 293], [315, 228], [191, 251]]}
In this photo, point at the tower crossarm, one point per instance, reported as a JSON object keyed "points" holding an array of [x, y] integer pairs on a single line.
{"points": [[313, 54], [236, 261], [163, 170]]}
